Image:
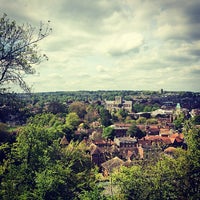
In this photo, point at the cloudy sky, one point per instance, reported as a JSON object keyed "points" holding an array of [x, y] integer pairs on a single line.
{"points": [[114, 44]]}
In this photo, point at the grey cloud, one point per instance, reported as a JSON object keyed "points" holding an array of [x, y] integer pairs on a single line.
{"points": [[180, 59], [195, 52], [194, 72], [87, 12], [194, 33], [192, 11]]}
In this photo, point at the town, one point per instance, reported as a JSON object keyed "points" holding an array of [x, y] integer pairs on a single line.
{"points": [[117, 132]]}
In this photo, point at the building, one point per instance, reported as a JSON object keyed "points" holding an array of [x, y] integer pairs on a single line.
{"points": [[118, 104], [125, 142]]}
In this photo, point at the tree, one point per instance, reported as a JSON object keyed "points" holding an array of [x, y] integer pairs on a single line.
{"points": [[170, 177], [56, 107], [132, 183], [19, 51], [178, 122], [152, 121], [138, 107], [121, 114], [105, 117], [39, 168], [108, 133], [192, 137], [94, 194], [141, 120], [79, 108], [72, 121], [134, 131], [196, 120]]}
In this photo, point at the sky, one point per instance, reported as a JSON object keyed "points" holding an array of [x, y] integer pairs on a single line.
{"points": [[114, 44]]}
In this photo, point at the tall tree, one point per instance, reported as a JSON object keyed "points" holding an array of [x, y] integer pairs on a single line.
{"points": [[105, 117], [39, 168], [108, 132], [72, 120], [79, 108], [19, 51], [134, 131]]}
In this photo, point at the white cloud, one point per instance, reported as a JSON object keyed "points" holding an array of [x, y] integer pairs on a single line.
{"points": [[101, 68]]}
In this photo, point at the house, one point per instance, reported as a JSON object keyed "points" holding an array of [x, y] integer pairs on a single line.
{"points": [[165, 132], [120, 129], [152, 130], [113, 164], [136, 153], [103, 143], [195, 112], [178, 139], [125, 142], [162, 112], [64, 142], [97, 156]]}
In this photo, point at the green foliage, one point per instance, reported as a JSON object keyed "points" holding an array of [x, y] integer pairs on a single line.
{"points": [[94, 194], [18, 49], [132, 183], [37, 167], [72, 121], [134, 131], [170, 177], [105, 117], [192, 138], [121, 115], [138, 107], [151, 121], [196, 120], [178, 122], [108, 132], [79, 108], [141, 120]]}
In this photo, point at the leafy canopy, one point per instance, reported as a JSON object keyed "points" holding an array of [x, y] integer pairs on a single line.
{"points": [[19, 51]]}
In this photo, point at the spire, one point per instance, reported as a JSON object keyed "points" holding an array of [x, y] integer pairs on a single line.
{"points": [[178, 106]]}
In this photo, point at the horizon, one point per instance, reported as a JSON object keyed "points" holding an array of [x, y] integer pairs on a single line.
{"points": [[158, 91]]}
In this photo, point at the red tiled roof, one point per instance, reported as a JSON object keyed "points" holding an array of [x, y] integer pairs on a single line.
{"points": [[152, 137], [174, 135], [153, 127], [181, 135], [178, 139], [168, 140]]}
